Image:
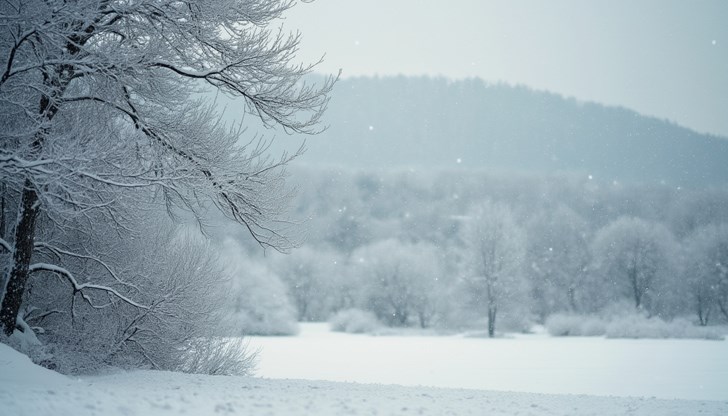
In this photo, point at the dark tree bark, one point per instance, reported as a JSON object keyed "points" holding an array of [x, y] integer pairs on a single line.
{"points": [[29, 208], [703, 311], [423, 319], [18, 276], [571, 293], [492, 310], [3, 191], [636, 290], [723, 309]]}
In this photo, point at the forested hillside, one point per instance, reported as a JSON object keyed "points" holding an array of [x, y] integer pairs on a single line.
{"points": [[436, 123]]}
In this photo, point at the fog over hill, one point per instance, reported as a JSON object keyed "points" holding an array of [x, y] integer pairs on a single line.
{"points": [[428, 123]]}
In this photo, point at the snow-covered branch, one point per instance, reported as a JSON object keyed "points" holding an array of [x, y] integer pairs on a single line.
{"points": [[14, 163], [59, 252], [80, 287]]}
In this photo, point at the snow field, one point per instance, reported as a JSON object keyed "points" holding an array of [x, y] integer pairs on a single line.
{"points": [[668, 369], [42, 392], [537, 362]]}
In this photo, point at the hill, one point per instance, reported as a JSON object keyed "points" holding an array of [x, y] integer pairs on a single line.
{"points": [[432, 123]]}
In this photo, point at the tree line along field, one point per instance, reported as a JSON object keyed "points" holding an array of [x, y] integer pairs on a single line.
{"points": [[454, 248]]}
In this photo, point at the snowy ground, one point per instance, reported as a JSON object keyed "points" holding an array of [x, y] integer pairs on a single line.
{"points": [[26, 389], [669, 369]]}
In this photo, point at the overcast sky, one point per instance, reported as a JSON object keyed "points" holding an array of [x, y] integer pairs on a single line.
{"points": [[664, 58]]}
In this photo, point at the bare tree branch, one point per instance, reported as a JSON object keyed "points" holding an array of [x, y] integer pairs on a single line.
{"points": [[80, 287]]}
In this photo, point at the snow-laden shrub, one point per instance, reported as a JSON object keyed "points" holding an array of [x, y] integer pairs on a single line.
{"points": [[178, 287], [593, 326], [627, 325], [561, 325], [639, 326], [355, 321], [219, 356], [312, 277], [575, 325], [26, 342], [264, 311], [260, 302], [518, 319]]}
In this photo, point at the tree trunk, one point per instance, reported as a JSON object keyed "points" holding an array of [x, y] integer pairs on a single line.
{"points": [[18, 276], [703, 311], [3, 191], [572, 298], [491, 320], [423, 319], [401, 317], [302, 310], [636, 290], [723, 309], [29, 207]]}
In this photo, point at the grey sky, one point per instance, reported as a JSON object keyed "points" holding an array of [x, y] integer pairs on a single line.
{"points": [[664, 58]]}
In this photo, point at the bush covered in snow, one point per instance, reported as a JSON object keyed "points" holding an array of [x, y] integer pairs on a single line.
{"points": [[640, 326], [219, 356], [179, 289], [355, 321], [260, 303], [575, 325], [633, 325], [26, 342]]}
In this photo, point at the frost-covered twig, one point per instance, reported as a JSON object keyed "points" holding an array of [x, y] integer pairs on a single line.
{"points": [[59, 251], [80, 287]]}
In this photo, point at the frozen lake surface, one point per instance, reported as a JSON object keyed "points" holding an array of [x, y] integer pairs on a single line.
{"points": [[670, 369]]}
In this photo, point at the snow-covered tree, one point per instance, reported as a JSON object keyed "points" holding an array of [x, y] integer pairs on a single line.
{"points": [[399, 281], [496, 248], [260, 301], [706, 271], [311, 275], [558, 257], [636, 258], [96, 97]]}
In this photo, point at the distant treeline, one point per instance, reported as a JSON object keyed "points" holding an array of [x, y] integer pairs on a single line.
{"points": [[453, 248]]}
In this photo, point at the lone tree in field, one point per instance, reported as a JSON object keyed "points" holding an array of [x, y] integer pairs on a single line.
{"points": [[496, 247], [96, 106]]}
